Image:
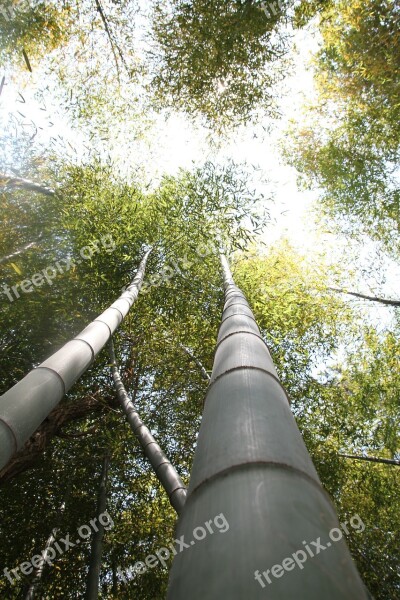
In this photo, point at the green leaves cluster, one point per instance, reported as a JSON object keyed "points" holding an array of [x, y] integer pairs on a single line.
{"points": [[349, 146], [217, 60]]}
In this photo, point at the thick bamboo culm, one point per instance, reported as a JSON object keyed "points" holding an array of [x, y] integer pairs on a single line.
{"points": [[25, 406], [251, 467]]}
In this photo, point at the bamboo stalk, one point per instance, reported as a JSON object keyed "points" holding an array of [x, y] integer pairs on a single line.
{"points": [[25, 406], [165, 472], [254, 491], [92, 591]]}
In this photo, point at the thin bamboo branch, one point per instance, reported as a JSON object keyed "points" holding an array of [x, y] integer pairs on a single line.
{"points": [[111, 39], [20, 182], [17, 252], [385, 301], [31, 593], [203, 371], [105, 23], [92, 591], [386, 461]]}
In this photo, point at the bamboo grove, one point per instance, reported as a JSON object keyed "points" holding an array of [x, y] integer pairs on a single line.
{"points": [[243, 397], [199, 391]]}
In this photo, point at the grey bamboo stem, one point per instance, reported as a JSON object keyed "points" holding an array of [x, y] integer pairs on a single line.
{"points": [[25, 406], [385, 461], [43, 558], [92, 592], [386, 301], [165, 472], [25, 184], [253, 476], [39, 572]]}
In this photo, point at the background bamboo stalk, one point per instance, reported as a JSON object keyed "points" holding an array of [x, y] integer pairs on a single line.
{"points": [[164, 470]]}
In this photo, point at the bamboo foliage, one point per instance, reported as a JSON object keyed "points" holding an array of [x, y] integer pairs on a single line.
{"points": [[24, 406], [251, 464], [163, 469]]}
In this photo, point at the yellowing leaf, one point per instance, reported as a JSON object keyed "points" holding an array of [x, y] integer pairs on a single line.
{"points": [[16, 269]]}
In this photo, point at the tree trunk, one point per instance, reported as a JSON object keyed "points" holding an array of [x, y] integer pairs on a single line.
{"points": [[165, 472], [24, 406], [386, 461], [92, 591], [254, 494], [19, 182]]}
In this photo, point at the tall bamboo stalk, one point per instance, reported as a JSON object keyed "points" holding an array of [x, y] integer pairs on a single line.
{"points": [[165, 472], [24, 406], [92, 591], [252, 469]]}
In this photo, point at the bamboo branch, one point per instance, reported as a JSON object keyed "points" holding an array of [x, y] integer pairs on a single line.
{"points": [[103, 18], [187, 350], [165, 472], [20, 182], [365, 297], [386, 461], [43, 558], [92, 591], [110, 38], [79, 434], [17, 252]]}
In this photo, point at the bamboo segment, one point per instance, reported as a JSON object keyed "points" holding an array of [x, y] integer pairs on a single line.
{"points": [[25, 406]]}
